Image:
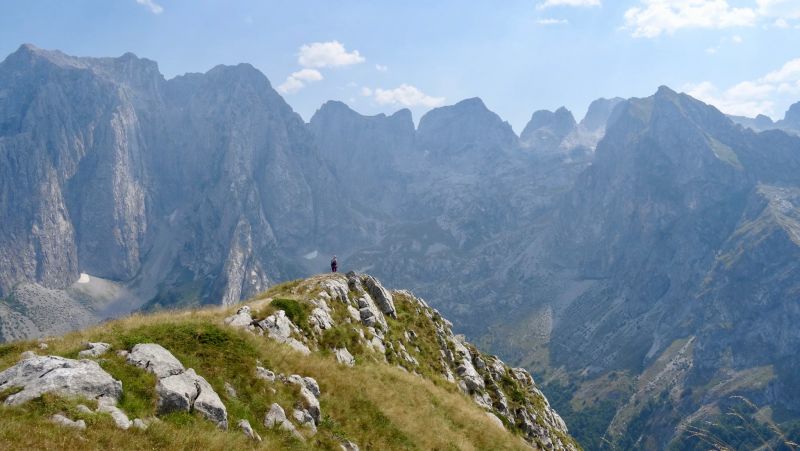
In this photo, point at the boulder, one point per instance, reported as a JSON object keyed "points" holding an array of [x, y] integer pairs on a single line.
{"points": [[208, 402], [263, 373], [337, 289], [275, 417], [311, 384], [64, 421], [347, 445], [311, 404], [241, 319], [229, 390], [248, 431], [176, 393], [344, 357], [38, 375], [119, 417], [155, 359], [355, 315], [279, 327], [320, 319], [189, 391], [303, 418], [381, 295], [82, 408], [367, 316], [94, 350], [139, 424]]}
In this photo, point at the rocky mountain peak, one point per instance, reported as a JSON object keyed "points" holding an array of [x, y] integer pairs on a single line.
{"points": [[467, 125], [792, 116], [598, 114], [549, 125]]}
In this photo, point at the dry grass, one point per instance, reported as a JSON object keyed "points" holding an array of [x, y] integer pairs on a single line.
{"points": [[376, 405]]}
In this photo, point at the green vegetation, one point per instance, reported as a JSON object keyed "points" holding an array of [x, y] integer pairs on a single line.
{"points": [[375, 405], [587, 425], [740, 425]]}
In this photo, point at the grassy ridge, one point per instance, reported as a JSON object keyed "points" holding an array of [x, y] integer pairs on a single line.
{"points": [[375, 405]]}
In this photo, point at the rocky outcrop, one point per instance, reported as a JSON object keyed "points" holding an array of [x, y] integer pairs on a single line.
{"points": [[94, 350], [61, 420], [248, 431], [178, 389], [155, 359], [37, 375], [279, 327], [242, 318], [504, 392]]}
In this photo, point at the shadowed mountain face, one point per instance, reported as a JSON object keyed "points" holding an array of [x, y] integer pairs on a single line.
{"points": [[207, 184], [641, 261], [668, 268]]}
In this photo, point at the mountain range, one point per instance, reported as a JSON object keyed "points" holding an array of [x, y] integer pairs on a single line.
{"points": [[640, 262]]}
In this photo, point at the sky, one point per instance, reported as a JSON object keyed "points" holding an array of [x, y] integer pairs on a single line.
{"points": [[743, 56]]}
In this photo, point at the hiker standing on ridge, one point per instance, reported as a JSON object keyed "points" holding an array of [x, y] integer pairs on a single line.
{"points": [[334, 264]]}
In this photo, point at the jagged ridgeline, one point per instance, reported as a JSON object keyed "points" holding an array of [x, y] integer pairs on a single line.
{"points": [[329, 362]]}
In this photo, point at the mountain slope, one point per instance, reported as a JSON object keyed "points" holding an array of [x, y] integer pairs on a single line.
{"points": [[401, 391], [666, 274], [206, 186]]}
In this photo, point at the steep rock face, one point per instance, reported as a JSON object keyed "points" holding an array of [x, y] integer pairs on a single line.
{"points": [[64, 124], [791, 119], [207, 184], [366, 153], [662, 264], [547, 129], [598, 114], [462, 129]]}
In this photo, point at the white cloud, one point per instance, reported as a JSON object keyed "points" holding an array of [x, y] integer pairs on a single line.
{"points": [[789, 72], [154, 7], [290, 86], [366, 92], [736, 39], [654, 17], [551, 3], [770, 94], [551, 21], [405, 95], [327, 54], [785, 9], [381, 68], [297, 80], [781, 23], [307, 75]]}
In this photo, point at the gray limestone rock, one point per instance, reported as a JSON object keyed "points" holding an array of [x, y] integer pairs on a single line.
{"points": [[344, 357], [189, 391], [242, 318], [279, 327], [50, 374], [263, 373], [155, 359], [382, 296], [61, 420], [94, 350], [248, 431]]}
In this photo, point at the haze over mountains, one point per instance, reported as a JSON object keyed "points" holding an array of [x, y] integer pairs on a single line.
{"points": [[642, 261]]}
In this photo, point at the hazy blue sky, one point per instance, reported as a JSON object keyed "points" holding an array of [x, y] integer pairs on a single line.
{"points": [[518, 56]]}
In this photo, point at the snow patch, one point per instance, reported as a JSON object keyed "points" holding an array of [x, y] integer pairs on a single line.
{"points": [[84, 278], [311, 255]]}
